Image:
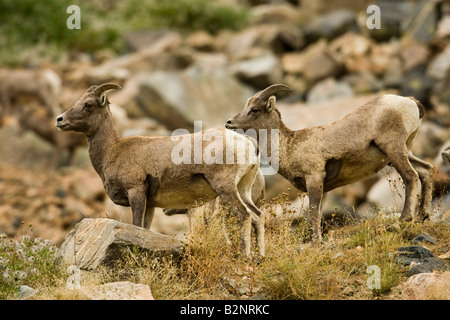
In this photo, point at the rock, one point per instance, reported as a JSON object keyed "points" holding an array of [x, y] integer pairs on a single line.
{"points": [[440, 65], [365, 82], [354, 51], [275, 13], [445, 256], [314, 63], [258, 72], [443, 28], [427, 286], [85, 185], [331, 25], [177, 99], [95, 242], [409, 254], [165, 53], [123, 290], [251, 41], [420, 260], [429, 265], [329, 89], [432, 136], [423, 238], [413, 54], [381, 57], [26, 292], [202, 41], [139, 40]]}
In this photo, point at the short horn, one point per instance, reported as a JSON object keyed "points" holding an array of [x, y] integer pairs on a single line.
{"points": [[106, 86], [270, 91]]}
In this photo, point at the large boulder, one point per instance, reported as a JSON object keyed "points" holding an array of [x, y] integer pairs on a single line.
{"points": [[427, 286], [331, 25], [259, 72], [314, 63], [95, 242]]}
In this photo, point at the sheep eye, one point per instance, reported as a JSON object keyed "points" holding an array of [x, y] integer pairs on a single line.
{"points": [[87, 105], [254, 110]]}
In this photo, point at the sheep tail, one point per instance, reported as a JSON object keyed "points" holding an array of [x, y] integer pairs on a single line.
{"points": [[420, 106]]}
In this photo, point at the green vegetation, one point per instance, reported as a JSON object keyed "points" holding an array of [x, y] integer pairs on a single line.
{"points": [[29, 261], [29, 28]]}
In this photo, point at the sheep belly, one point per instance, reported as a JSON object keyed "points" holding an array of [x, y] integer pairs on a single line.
{"points": [[356, 167], [182, 196]]}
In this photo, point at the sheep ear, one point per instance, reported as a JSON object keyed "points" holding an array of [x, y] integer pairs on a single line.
{"points": [[103, 99], [270, 103]]}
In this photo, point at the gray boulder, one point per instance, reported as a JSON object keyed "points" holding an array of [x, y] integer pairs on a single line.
{"points": [[95, 242]]}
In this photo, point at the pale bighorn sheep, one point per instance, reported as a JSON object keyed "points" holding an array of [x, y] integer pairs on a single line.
{"points": [[139, 171], [43, 84], [355, 147]]}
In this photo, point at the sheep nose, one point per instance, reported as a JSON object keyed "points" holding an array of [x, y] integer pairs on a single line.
{"points": [[229, 122], [59, 119]]}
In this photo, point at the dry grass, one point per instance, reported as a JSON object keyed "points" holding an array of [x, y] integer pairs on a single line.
{"points": [[212, 268]]}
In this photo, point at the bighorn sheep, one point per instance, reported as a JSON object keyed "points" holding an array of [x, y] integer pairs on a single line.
{"points": [[139, 171], [43, 84], [355, 147]]}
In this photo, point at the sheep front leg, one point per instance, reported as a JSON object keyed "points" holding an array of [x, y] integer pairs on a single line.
{"points": [[138, 202], [314, 186]]}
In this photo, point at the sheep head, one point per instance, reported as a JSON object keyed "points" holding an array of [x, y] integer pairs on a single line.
{"points": [[259, 110], [87, 113]]}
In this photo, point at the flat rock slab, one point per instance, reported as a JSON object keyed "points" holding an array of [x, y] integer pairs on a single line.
{"points": [[95, 242]]}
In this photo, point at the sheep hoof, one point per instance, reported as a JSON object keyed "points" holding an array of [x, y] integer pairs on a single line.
{"points": [[405, 218]]}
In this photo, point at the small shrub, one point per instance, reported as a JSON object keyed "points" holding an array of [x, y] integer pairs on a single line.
{"points": [[25, 262]]}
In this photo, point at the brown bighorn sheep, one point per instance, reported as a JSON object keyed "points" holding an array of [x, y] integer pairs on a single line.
{"points": [[43, 84], [355, 147], [140, 171]]}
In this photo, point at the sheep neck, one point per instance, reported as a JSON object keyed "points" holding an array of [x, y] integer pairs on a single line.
{"points": [[284, 137], [100, 142]]}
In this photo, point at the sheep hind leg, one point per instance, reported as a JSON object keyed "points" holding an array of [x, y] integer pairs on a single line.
{"points": [[425, 171], [314, 186], [244, 220], [398, 156], [245, 186], [231, 198]]}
